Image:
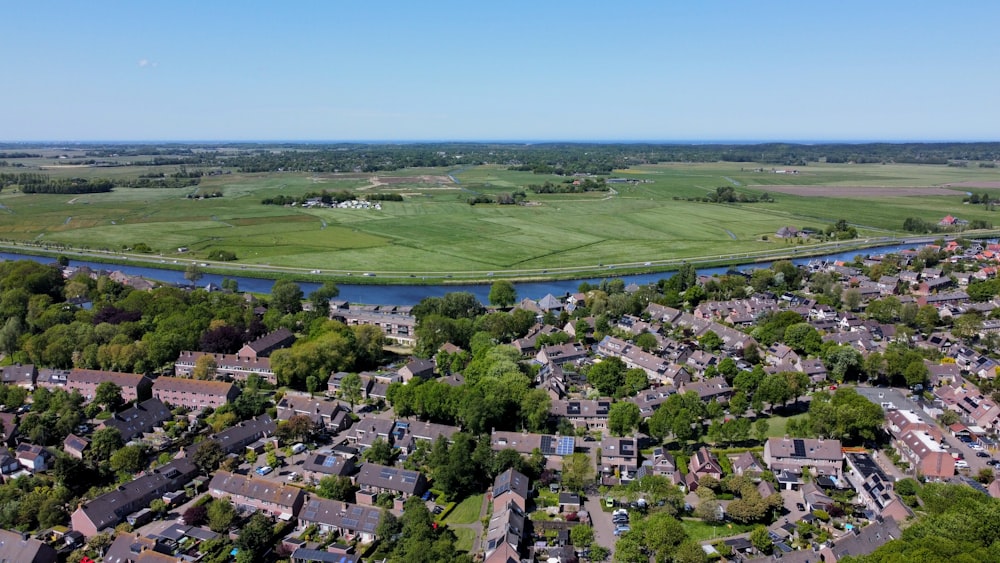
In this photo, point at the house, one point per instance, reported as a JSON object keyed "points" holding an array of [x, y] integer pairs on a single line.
{"points": [[505, 534], [715, 388], [32, 457], [569, 502], [367, 430], [8, 463], [511, 486], [236, 438], [249, 493], [795, 455], [395, 322], [134, 386], [619, 457], [373, 479], [306, 555], [74, 446], [746, 464], [350, 521], [702, 463], [561, 353], [16, 547], [20, 375], [554, 448], [8, 428], [233, 366], [583, 413], [417, 368], [330, 415], [263, 346], [320, 465], [815, 498], [133, 422], [194, 394], [862, 541], [109, 509], [133, 548]]}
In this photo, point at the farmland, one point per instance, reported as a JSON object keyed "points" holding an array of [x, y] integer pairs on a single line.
{"points": [[434, 232]]}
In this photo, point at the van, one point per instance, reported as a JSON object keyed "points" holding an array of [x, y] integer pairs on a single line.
{"points": [[298, 448]]}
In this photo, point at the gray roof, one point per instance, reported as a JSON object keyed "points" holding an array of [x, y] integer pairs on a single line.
{"points": [[15, 547], [511, 481], [391, 478], [237, 437], [279, 494], [347, 516], [135, 421]]}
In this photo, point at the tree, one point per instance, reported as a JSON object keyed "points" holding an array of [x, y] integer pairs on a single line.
{"points": [[320, 298], [852, 299], [803, 338], [109, 394], [350, 389], [159, 507], [255, 539], [337, 488], [502, 294], [578, 470], [205, 367], [104, 444], [761, 539], [195, 515], [710, 341], [208, 455], [581, 536], [130, 459], [286, 297], [607, 375], [221, 514], [380, 452], [623, 418], [193, 273], [760, 429], [635, 380], [535, 407]]}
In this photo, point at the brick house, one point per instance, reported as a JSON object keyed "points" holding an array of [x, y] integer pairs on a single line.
{"points": [[194, 394], [233, 366], [248, 493], [134, 386], [263, 346]]}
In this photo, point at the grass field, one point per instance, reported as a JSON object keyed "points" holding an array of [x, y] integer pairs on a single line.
{"points": [[699, 530], [465, 537], [434, 231], [467, 511]]}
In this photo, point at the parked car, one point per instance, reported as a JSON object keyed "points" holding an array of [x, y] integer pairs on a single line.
{"points": [[993, 462], [264, 470], [619, 530], [293, 476], [982, 454], [800, 507], [962, 464]]}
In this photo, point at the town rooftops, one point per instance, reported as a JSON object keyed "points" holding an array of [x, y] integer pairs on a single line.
{"points": [[135, 421], [249, 487], [194, 386], [373, 475], [805, 448]]}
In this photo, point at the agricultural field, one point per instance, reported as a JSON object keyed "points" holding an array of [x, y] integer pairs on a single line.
{"points": [[434, 231]]}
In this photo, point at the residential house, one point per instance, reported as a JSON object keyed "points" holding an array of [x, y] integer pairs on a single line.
{"points": [[327, 414], [561, 353], [364, 433], [583, 413], [702, 463], [374, 479], [109, 509], [350, 521], [320, 465], [18, 547], [231, 366], [20, 375], [250, 493], [8, 428], [511, 486], [861, 541], [133, 422], [715, 388], [619, 457], [554, 448], [417, 367], [75, 446], [746, 464], [134, 386], [797, 455], [133, 548], [395, 322], [236, 438], [194, 394], [32, 457], [263, 346]]}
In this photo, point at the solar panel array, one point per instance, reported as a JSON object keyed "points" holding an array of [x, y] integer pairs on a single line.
{"points": [[798, 448], [328, 461], [566, 445], [546, 445]]}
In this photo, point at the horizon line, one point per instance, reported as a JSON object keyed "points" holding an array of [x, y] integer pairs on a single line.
{"points": [[501, 141]]}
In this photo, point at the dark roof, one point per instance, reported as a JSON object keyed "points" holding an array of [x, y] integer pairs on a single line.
{"points": [[201, 386], [279, 494], [339, 514], [511, 481], [237, 437], [272, 340], [137, 420], [319, 556], [15, 547], [329, 464], [392, 478]]}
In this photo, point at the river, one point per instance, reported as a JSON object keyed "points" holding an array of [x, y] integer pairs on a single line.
{"points": [[412, 294]]}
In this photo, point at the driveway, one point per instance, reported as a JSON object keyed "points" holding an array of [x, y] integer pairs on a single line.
{"points": [[604, 530]]}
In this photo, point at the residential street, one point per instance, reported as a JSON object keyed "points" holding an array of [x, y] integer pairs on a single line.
{"points": [[604, 529]]}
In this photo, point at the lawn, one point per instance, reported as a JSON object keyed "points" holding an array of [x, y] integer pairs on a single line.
{"points": [[433, 231], [467, 511], [779, 424], [466, 537], [699, 530]]}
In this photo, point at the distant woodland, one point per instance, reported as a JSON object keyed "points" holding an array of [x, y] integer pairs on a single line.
{"points": [[542, 158]]}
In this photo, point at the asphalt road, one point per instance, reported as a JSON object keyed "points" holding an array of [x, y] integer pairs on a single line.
{"points": [[604, 530]]}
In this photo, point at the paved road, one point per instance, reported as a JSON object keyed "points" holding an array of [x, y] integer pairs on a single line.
{"points": [[604, 529]]}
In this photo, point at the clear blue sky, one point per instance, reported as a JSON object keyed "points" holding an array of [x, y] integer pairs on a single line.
{"points": [[511, 70]]}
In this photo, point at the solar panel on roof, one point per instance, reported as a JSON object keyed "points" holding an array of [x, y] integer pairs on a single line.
{"points": [[546, 445], [798, 448], [387, 473], [350, 523], [565, 446], [329, 461]]}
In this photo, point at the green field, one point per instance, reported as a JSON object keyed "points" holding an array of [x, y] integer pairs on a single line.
{"points": [[435, 233]]}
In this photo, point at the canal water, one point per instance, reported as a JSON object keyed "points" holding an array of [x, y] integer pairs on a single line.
{"points": [[412, 294]]}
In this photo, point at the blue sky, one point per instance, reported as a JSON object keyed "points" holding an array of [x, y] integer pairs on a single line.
{"points": [[512, 70]]}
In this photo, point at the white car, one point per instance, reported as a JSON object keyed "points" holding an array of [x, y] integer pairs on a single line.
{"points": [[976, 447], [962, 464]]}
